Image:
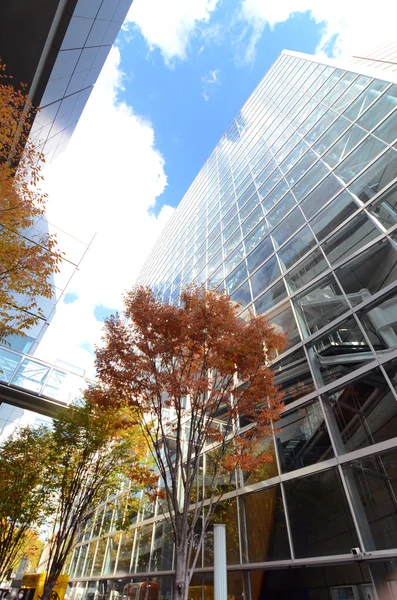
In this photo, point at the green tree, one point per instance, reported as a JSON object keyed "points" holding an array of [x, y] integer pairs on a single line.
{"points": [[26, 492]]}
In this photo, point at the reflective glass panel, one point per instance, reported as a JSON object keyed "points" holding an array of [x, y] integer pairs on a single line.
{"points": [[264, 276], [385, 208], [380, 324], [287, 227], [260, 254], [370, 94], [267, 536], [340, 351], [293, 375], [362, 413], [343, 146], [353, 236], [387, 131], [297, 247], [283, 320], [319, 515], [333, 215], [306, 270], [302, 438], [270, 298], [359, 158], [320, 195], [381, 108], [376, 177]]}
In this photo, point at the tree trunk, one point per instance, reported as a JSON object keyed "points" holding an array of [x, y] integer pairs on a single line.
{"points": [[49, 584], [181, 577]]}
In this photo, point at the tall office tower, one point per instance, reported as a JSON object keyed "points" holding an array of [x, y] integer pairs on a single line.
{"points": [[294, 214]]}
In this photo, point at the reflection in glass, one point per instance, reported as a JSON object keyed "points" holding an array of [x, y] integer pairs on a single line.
{"points": [[297, 247], [287, 227], [283, 320], [293, 375], [111, 554], [267, 536], [264, 276], [333, 215], [376, 177], [226, 514], [385, 208], [162, 547], [320, 195], [363, 412], [320, 305], [307, 270], [270, 298], [353, 236], [302, 438], [143, 544], [375, 490], [340, 351], [126, 546], [319, 515]]}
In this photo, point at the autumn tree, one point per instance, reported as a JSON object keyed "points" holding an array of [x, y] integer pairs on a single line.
{"points": [[26, 490], [92, 451], [28, 256], [198, 376]]}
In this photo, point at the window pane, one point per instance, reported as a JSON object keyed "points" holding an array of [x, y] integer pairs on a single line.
{"points": [[340, 351], [316, 173], [267, 536], [256, 235], [387, 131], [242, 295], [368, 273], [260, 254], [226, 514], [270, 298], [301, 167], [348, 96], [302, 439], [333, 215], [378, 176], [358, 232], [252, 220], [359, 158], [343, 146], [280, 210], [162, 547], [385, 208], [375, 489], [370, 94], [283, 320], [319, 515], [235, 278], [331, 135], [264, 276], [363, 412], [320, 195], [293, 375], [299, 245], [306, 270], [381, 108], [288, 227], [320, 305], [380, 324]]}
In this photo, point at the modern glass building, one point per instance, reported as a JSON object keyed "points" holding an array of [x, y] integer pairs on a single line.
{"points": [[294, 214]]}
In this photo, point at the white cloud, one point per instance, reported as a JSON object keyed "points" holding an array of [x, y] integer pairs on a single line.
{"points": [[170, 24], [105, 182], [208, 80], [349, 26]]}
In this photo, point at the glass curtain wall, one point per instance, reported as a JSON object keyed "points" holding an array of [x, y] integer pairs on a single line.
{"points": [[294, 215]]}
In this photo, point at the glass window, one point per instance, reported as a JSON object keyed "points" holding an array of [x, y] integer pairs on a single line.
{"points": [[333, 215], [229, 216], [340, 351], [99, 557], [320, 195], [347, 142], [297, 247], [294, 156], [304, 122], [283, 320], [124, 560], [387, 131], [143, 542], [162, 547], [348, 95], [287, 227], [312, 178], [369, 272], [320, 305], [232, 241], [381, 108], [277, 193], [370, 94], [270, 298], [90, 559], [111, 554], [336, 129], [363, 412], [252, 220], [280, 210], [319, 515], [247, 194], [301, 167], [339, 88], [380, 324], [226, 514], [264, 276], [260, 254], [242, 295], [325, 121], [385, 208], [307, 270], [267, 536], [236, 278], [249, 206], [359, 158], [256, 235], [269, 183], [302, 437], [293, 375], [233, 259], [373, 489], [353, 236], [376, 177]]}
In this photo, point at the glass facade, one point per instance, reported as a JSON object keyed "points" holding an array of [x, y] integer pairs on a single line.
{"points": [[294, 215]]}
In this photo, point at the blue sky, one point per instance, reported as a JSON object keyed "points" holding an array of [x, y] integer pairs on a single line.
{"points": [[191, 102]]}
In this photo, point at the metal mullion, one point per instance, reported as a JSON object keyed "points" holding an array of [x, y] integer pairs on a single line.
{"points": [[352, 508]]}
